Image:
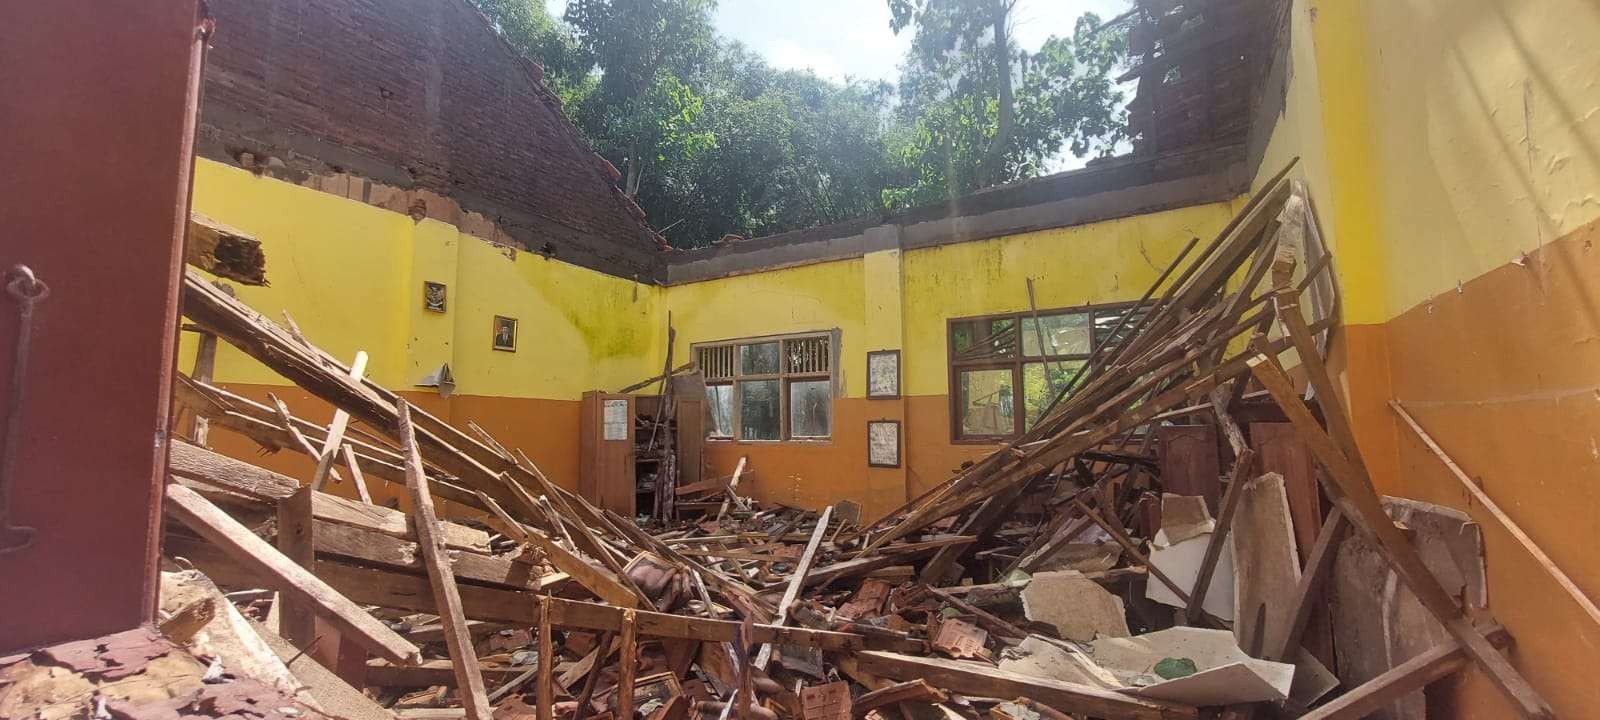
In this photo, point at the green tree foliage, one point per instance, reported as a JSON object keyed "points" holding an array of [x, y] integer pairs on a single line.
{"points": [[714, 141], [531, 30], [977, 111], [791, 151], [644, 110]]}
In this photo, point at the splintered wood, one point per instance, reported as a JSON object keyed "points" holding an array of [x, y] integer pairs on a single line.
{"points": [[1134, 519]]}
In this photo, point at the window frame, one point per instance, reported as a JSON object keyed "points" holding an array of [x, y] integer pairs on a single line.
{"points": [[1016, 364], [785, 379]]}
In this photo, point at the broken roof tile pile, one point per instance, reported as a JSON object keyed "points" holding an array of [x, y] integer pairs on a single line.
{"points": [[1068, 574]]}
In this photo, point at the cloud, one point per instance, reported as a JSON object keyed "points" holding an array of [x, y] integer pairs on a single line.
{"points": [[787, 54]]}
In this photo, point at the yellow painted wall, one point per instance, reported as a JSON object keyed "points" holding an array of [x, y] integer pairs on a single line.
{"points": [[1104, 262], [351, 275], [902, 299], [1460, 148]]}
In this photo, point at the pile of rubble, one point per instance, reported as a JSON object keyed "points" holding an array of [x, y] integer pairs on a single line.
{"points": [[1061, 576]]}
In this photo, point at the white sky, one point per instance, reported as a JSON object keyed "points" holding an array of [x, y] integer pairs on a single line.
{"points": [[851, 38], [839, 38]]}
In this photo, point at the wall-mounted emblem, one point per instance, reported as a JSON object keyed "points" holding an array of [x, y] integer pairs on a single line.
{"points": [[433, 296]]}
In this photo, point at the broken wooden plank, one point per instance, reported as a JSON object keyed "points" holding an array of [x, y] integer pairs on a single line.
{"points": [[217, 470], [224, 251], [971, 678], [357, 478], [602, 582], [469, 680], [797, 580], [336, 428], [732, 489], [382, 587], [282, 574]]}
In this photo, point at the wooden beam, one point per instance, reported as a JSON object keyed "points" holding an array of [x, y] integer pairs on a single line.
{"points": [[381, 587], [970, 678], [797, 580], [600, 581], [469, 680], [545, 689], [1349, 480], [1401, 680], [297, 621], [1517, 533], [341, 421], [628, 665], [224, 251], [358, 478], [282, 574], [205, 363], [428, 673], [732, 488], [214, 469]]}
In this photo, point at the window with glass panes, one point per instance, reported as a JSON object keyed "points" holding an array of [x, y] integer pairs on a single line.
{"points": [[769, 388], [1006, 369]]}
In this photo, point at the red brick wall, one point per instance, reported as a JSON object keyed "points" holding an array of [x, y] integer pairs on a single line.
{"points": [[417, 94]]}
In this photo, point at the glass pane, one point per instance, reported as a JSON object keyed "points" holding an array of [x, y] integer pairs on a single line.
{"points": [[719, 411], [978, 340], [986, 402], [961, 337], [759, 359], [758, 408], [1038, 388], [808, 408], [1106, 320], [1065, 334]]}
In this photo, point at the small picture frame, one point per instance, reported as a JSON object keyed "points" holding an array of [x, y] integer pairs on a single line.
{"points": [[433, 296], [505, 333], [883, 443], [883, 374]]}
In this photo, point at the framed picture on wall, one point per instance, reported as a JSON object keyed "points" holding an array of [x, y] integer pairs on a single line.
{"points": [[505, 333], [883, 443], [433, 296], [883, 374]]}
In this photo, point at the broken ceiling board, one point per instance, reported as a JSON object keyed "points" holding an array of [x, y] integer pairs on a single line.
{"points": [[1184, 517], [1078, 607], [1266, 564], [1225, 674], [1039, 657], [1378, 624], [1181, 562]]}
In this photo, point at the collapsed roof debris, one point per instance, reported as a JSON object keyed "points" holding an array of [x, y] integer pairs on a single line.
{"points": [[1035, 582]]}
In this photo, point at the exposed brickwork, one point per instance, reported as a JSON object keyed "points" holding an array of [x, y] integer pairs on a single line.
{"points": [[419, 95]]}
